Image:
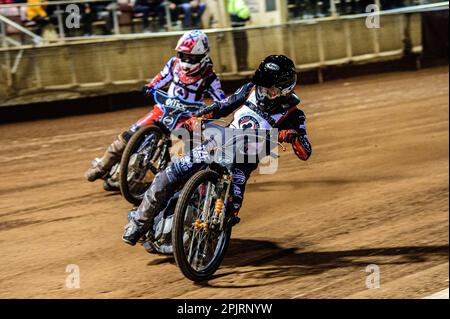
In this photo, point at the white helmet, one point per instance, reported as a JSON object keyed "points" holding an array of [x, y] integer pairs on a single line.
{"points": [[193, 51]]}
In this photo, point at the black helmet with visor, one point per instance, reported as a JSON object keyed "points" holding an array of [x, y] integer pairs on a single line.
{"points": [[275, 81]]}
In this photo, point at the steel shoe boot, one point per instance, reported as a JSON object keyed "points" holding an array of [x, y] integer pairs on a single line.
{"points": [[100, 166]]}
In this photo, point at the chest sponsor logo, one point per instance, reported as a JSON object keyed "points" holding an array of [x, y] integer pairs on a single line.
{"points": [[248, 121]]}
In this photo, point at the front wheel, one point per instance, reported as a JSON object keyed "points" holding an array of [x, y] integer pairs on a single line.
{"points": [[199, 244], [141, 160]]}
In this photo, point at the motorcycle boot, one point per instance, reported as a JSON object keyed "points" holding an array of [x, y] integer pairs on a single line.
{"points": [[134, 230], [100, 167]]}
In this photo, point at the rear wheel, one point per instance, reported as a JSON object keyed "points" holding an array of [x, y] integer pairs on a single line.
{"points": [[199, 244], [140, 162]]}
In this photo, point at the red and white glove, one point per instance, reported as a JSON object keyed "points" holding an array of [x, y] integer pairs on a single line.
{"points": [[287, 136], [292, 137], [193, 124]]}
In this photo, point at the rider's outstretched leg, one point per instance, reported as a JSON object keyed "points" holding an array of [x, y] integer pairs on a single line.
{"points": [[241, 174], [141, 221], [155, 197], [99, 168], [162, 188], [112, 155]]}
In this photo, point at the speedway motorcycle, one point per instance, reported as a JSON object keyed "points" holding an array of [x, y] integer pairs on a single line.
{"points": [[196, 225], [148, 151]]}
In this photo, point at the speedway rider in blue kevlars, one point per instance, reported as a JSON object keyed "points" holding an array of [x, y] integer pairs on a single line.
{"points": [[190, 75], [267, 102]]}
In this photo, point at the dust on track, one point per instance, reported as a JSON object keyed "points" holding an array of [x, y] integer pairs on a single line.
{"points": [[375, 191]]}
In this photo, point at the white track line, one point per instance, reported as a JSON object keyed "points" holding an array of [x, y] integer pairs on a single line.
{"points": [[439, 295]]}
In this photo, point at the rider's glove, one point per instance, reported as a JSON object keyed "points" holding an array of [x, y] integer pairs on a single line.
{"points": [[287, 136], [148, 90], [198, 114], [192, 124], [207, 112]]}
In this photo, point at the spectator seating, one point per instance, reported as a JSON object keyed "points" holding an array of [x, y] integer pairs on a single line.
{"points": [[129, 21]]}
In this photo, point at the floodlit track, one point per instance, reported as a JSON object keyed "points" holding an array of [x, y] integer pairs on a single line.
{"points": [[375, 191]]}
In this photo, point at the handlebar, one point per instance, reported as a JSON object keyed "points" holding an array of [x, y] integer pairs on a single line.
{"points": [[252, 135], [162, 97]]}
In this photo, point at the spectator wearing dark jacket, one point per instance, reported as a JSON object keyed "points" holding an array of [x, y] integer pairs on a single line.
{"points": [[150, 7]]}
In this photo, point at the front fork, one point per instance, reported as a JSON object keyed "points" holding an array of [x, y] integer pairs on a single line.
{"points": [[219, 214], [217, 219], [165, 154], [162, 155]]}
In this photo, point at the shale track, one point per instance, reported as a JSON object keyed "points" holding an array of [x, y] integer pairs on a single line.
{"points": [[375, 191]]}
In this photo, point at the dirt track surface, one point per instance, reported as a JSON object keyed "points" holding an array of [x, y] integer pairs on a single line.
{"points": [[375, 191]]}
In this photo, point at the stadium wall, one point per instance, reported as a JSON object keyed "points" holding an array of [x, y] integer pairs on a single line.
{"points": [[85, 76], [86, 68]]}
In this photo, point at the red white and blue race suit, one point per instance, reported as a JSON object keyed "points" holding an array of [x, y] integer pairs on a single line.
{"points": [[191, 88]]}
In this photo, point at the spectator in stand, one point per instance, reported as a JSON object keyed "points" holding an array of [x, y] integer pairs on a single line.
{"points": [[102, 11], [98, 11], [391, 4], [353, 6], [364, 4], [188, 8], [305, 9], [322, 8], [5, 2], [211, 18], [239, 15], [88, 16], [52, 14], [37, 14], [9, 11], [150, 7]]}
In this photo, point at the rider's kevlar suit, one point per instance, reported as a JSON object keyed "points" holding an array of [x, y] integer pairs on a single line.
{"points": [[189, 88], [288, 119], [192, 88]]}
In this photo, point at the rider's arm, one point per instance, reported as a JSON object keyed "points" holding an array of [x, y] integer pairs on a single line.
{"points": [[163, 77], [215, 88], [293, 130], [227, 106]]}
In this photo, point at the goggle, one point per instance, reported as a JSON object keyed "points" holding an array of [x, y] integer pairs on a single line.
{"points": [[190, 58], [270, 93], [274, 92]]}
